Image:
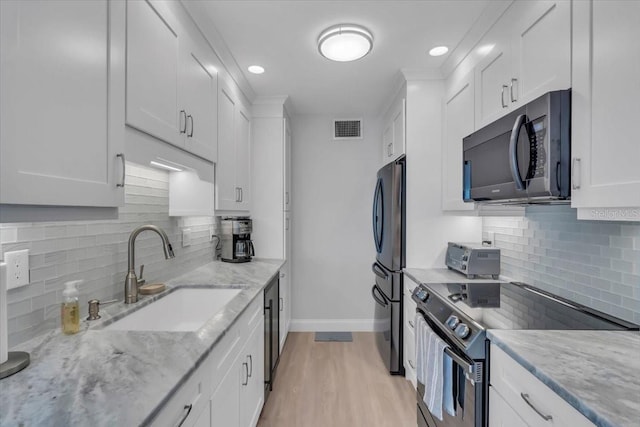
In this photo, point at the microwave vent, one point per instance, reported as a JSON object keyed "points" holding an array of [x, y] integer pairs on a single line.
{"points": [[347, 129]]}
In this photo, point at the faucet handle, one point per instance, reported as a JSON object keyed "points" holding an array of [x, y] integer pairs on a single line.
{"points": [[141, 281]]}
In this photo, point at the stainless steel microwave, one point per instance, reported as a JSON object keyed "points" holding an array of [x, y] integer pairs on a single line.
{"points": [[523, 157]]}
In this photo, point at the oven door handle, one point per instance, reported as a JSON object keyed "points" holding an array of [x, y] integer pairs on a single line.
{"points": [[468, 367], [380, 300]]}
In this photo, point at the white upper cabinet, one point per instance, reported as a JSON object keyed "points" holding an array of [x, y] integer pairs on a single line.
{"points": [[528, 53], [458, 123], [605, 108], [287, 164], [198, 96], [493, 82], [152, 73], [541, 49], [393, 135], [62, 103], [171, 84], [233, 179]]}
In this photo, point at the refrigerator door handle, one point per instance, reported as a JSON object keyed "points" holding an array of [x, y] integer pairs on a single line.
{"points": [[378, 201], [379, 271], [380, 300]]}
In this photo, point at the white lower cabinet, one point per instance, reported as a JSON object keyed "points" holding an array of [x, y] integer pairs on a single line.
{"points": [[500, 413], [514, 390], [409, 337], [227, 389]]}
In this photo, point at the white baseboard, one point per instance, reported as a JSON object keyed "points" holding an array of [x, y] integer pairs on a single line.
{"points": [[335, 325]]}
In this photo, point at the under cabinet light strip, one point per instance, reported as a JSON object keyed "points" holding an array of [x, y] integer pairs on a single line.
{"points": [[163, 166]]}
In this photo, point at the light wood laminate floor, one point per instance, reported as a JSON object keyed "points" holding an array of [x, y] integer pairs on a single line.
{"points": [[337, 384]]}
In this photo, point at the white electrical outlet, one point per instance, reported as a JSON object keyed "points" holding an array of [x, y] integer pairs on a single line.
{"points": [[17, 268], [211, 234], [186, 237]]}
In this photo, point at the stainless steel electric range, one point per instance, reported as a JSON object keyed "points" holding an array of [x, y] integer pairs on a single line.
{"points": [[461, 313]]}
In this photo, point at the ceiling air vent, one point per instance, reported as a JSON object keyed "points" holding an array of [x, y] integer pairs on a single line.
{"points": [[347, 129]]}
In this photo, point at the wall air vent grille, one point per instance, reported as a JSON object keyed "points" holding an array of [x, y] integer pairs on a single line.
{"points": [[347, 129]]}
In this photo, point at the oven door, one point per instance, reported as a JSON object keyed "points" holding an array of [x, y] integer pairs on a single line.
{"points": [[467, 394]]}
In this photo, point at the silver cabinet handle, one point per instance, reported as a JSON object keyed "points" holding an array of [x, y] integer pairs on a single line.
{"points": [[286, 198], [187, 410], [513, 80], [502, 96], [246, 371], [411, 324], [281, 304], [237, 194], [183, 128], [121, 155], [411, 364], [286, 226], [190, 134], [250, 364], [575, 183], [525, 397], [390, 149]]}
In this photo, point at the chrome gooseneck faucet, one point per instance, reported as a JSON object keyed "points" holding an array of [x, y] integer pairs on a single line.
{"points": [[131, 282]]}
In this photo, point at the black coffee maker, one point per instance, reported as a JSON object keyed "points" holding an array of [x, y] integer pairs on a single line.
{"points": [[236, 239]]}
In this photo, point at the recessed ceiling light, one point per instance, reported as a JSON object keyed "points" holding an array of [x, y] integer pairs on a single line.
{"points": [[438, 51], [256, 69], [345, 42]]}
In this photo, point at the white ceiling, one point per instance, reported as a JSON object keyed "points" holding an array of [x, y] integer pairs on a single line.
{"points": [[281, 36]]}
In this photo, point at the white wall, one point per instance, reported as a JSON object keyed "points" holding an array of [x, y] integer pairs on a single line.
{"points": [[332, 248], [428, 229]]}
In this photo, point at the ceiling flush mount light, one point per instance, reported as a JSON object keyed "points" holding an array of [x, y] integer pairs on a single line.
{"points": [[256, 69], [438, 51], [345, 42]]}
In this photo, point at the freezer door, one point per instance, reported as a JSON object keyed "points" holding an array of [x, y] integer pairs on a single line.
{"points": [[386, 293]]}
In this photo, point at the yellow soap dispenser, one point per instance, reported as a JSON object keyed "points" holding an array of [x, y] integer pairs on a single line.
{"points": [[70, 311]]}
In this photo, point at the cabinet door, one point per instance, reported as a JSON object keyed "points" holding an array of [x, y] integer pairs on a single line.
{"points": [[605, 106], [243, 157], [458, 123], [287, 165], [492, 78], [225, 401], [227, 193], [152, 74], [541, 48], [62, 99], [252, 394], [198, 92], [399, 131], [501, 414], [387, 143]]}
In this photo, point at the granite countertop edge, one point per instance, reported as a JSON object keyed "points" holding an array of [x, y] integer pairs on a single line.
{"points": [[561, 391], [43, 392]]}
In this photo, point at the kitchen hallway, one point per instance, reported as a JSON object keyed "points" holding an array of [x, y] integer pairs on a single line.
{"points": [[337, 384]]}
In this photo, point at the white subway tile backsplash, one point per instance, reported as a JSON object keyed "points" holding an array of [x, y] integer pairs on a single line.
{"points": [[96, 252], [591, 262]]}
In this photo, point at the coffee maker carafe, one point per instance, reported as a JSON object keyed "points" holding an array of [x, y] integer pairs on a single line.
{"points": [[236, 239]]}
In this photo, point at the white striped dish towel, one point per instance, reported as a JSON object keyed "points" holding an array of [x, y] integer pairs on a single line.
{"points": [[429, 360]]}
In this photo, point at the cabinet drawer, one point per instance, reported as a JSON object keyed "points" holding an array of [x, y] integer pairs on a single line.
{"points": [[500, 413], [409, 349], [186, 406], [515, 384]]}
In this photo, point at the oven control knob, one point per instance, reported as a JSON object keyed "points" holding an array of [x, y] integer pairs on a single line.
{"points": [[453, 322], [462, 331]]}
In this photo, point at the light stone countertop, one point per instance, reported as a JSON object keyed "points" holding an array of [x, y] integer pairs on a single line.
{"points": [[596, 372], [441, 275], [122, 378]]}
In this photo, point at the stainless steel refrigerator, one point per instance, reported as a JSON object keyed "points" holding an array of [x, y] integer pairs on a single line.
{"points": [[389, 239]]}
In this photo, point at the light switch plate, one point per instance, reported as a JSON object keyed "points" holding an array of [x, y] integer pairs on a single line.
{"points": [[17, 268], [186, 237]]}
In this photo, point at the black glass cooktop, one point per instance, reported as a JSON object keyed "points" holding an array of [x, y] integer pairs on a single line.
{"points": [[519, 306]]}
